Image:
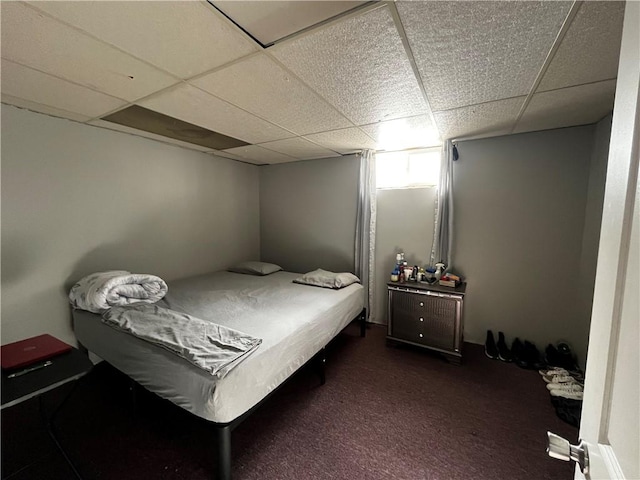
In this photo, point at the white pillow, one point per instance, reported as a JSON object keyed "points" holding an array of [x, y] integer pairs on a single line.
{"points": [[326, 279], [255, 268]]}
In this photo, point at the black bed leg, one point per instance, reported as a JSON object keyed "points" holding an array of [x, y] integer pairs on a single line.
{"points": [[322, 361], [363, 322], [133, 390], [223, 452]]}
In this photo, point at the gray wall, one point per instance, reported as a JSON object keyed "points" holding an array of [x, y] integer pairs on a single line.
{"points": [[308, 214], [78, 199], [526, 229], [520, 205], [592, 223]]}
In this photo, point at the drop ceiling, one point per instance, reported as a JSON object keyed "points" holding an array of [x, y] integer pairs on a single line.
{"points": [[300, 80]]}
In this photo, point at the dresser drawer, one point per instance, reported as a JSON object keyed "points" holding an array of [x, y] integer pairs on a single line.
{"points": [[430, 319], [408, 327]]}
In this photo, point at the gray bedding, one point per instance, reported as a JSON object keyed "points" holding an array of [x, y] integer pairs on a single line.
{"points": [[212, 347], [294, 322]]}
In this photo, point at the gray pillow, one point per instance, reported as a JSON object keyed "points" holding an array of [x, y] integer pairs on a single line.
{"points": [[255, 268], [326, 279]]}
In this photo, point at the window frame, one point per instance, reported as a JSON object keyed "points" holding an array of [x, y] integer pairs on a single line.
{"points": [[408, 154]]}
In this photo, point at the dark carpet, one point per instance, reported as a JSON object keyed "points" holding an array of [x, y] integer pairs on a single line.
{"points": [[384, 413]]}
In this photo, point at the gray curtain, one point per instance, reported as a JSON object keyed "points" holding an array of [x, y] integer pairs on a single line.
{"points": [[366, 229], [443, 228]]}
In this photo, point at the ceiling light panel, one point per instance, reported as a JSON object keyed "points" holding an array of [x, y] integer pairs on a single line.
{"points": [[404, 133], [193, 105], [474, 52], [41, 88], [261, 86], [270, 21], [496, 118], [344, 141], [299, 148], [567, 107], [35, 40], [259, 155], [184, 38], [359, 65], [591, 48]]}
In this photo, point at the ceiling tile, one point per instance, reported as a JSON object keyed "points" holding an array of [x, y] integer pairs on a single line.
{"points": [[192, 105], [495, 118], [344, 141], [194, 36], [359, 65], [37, 107], [260, 86], [567, 107], [141, 133], [231, 156], [135, 116], [259, 155], [474, 52], [299, 148], [590, 50], [38, 87], [410, 132], [35, 40], [272, 20]]}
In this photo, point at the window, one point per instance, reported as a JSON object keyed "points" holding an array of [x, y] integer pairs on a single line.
{"points": [[408, 169]]}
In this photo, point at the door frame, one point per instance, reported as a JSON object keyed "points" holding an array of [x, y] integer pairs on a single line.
{"points": [[613, 253]]}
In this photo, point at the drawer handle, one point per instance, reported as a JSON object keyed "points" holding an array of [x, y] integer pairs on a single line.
{"points": [[421, 319], [422, 304], [420, 335]]}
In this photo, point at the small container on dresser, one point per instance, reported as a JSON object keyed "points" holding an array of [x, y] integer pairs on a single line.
{"points": [[428, 316]]}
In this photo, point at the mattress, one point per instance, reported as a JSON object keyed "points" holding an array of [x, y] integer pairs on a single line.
{"points": [[294, 322]]}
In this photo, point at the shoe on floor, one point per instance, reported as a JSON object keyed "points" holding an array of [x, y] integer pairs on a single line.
{"points": [[573, 386], [559, 379], [561, 357], [504, 353], [518, 354], [578, 375], [490, 348], [552, 356], [566, 357], [572, 392], [553, 371], [533, 356]]}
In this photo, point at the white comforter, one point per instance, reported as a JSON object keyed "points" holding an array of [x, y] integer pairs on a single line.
{"points": [[101, 291]]}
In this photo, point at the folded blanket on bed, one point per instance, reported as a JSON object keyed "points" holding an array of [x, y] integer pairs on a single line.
{"points": [[100, 291], [209, 346]]}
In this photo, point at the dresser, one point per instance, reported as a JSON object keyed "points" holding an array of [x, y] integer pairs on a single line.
{"points": [[428, 316]]}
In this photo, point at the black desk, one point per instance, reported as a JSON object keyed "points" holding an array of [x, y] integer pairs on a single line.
{"points": [[65, 368]]}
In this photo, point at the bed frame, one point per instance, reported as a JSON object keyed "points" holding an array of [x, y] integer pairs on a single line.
{"points": [[223, 431]]}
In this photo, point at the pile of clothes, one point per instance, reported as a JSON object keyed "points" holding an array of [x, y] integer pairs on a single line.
{"points": [[558, 368]]}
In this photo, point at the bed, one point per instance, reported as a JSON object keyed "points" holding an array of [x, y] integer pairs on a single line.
{"points": [[295, 322]]}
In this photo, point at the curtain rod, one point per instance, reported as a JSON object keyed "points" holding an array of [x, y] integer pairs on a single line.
{"points": [[453, 142], [403, 149]]}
